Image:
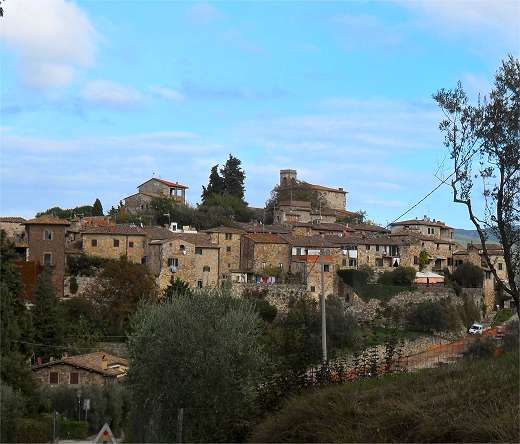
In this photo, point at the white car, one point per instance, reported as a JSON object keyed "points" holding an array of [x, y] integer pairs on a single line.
{"points": [[476, 329]]}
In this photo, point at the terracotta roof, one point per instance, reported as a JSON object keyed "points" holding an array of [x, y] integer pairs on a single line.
{"points": [[307, 241], [13, 219], [165, 182], [224, 229], [261, 228], [428, 222], [198, 239], [295, 203], [266, 238], [92, 362], [125, 230], [322, 226], [322, 188], [47, 220], [368, 227]]}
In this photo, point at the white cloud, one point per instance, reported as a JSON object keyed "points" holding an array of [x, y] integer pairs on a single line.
{"points": [[203, 13], [52, 38], [167, 93], [111, 94]]}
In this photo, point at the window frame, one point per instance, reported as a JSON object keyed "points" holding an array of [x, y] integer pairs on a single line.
{"points": [[93, 243], [70, 378], [115, 243], [198, 251], [57, 378], [50, 232], [48, 253], [228, 236], [206, 269]]}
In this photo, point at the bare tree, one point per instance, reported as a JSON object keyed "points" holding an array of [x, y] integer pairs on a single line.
{"points": [[484, 143]]}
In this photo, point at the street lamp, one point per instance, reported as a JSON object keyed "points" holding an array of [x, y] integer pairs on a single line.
{"points": [[78, 394]]}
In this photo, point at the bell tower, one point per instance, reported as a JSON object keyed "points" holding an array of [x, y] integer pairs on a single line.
{"points": [[287, 177]]}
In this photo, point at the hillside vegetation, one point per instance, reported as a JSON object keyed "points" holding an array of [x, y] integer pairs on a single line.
{"points": [[472, 401]]}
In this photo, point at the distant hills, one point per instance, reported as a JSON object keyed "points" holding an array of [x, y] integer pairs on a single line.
{"points": [[464, 237]]}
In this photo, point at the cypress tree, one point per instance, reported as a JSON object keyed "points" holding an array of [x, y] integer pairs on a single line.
{"points": [[97, 209], [48, 328], [215, 184], [233, 177]]}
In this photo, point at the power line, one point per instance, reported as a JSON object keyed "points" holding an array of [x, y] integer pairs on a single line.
{"points": [[432, 191]]}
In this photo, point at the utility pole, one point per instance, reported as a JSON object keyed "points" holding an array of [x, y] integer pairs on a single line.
{"points": [[323, 312]]}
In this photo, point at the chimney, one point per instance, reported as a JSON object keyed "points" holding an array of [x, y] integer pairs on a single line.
{"points": [[104, 362]]}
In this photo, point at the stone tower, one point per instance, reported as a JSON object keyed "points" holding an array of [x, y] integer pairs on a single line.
{"points": [[287, 176]]}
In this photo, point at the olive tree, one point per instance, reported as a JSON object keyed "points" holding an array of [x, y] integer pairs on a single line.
{"points": [[198, 351], [484, 143]]}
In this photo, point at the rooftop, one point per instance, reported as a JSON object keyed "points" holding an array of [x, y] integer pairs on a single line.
{"points": [[13, 219], [166, 182], [47, 220], [266, 238], [423, 221], [198, 239], [224, 229]]}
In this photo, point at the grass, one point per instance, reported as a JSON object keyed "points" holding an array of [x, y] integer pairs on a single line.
{"points": [[379, 335], [471, 401], [380, 291], [502, 316]]}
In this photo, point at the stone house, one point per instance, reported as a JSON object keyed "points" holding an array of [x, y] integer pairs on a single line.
{"points": [[114, 241], [368, 229], [261, 251], [320, 229], [228, 238], [46, 246], [154, 188], [14, 229], [193, 258], [425, 226], [293, 211], [98, 368]]}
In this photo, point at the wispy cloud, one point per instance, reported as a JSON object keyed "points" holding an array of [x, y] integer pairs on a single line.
{"points": [[111, 94], [167, 93], [52, 38]]}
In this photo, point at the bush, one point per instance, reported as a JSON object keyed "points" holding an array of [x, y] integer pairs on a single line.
{"points": [[11, 408], [33, 429], [380, 291], [468, 311], [511, 338], [468, 276], [403, 276], [432, 316], [354, 278], [502, 316], [73, 429], [481, 348], [83, 265], [265, 310], [73, 285]]}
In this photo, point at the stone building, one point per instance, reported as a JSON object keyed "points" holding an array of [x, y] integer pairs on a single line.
{"points": [[261, 251], [114, 241], [425, 226], [98, 368], [228, 238], [151, 189], [193, 258], [320, 229], [46, 242], [14, 229]]}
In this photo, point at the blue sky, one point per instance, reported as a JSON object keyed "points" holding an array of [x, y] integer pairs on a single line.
{"points": [[98, 96]]}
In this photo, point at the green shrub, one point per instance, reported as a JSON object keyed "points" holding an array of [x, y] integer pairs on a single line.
{"points": [[511, 338], [33, 429], [265, 310], [11, 408], [73, 285], [468, 311], [502, 316], [354, 278], [468, 276], [380, 291], [73, 429], [432, 316], [84, 265], [403, 276], [481, 348]]}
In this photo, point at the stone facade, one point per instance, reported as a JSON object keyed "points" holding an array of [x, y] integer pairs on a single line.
{"points": [[279, 295], [261, 251], [46, 240], [198, 266], [85, 377], [426, 227], [229, 241], [13, 227], [152, 188], [114, 245]]}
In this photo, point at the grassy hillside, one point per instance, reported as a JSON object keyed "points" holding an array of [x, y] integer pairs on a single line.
{"points": [[472, 401], [464, 237]]}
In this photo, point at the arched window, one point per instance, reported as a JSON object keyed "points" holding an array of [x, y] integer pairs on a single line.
{"points": [[47, 235]]}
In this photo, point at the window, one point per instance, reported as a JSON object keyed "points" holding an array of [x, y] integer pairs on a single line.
{"points": [[344, 262], [377, 247], [367, 247], [199, 284], [93, 242], [280, 265], [47, 258], [437, 246], [173, 262], [229, 265], [500, 265], [53, 378], [228, 249], [47, 235], [229, 236], [263, 264], [198, 250], [143, 260], [313, 288], [415, 260], [488, 274], [379, 262], [116, 243], [449, 247], [326, 267], [182, 247], [74, 378], [206, 269], [131, 244], [352, 262]]}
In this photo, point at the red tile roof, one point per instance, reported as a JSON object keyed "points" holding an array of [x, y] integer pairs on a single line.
{"points": [[115, 229], [13, 220], [429, 222], [47, 220], [266, 238], [166, 182]]}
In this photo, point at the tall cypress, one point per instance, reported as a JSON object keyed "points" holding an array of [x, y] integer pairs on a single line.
{"points": [[233, 177], [48, 328], [97, 208], [215, 184]]}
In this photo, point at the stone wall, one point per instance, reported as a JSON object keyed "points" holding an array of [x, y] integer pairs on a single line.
{"points": [[271, 255], [64, 370], [229, 251], [83, 283], [278, 295], [133, 247], [337, 200]]}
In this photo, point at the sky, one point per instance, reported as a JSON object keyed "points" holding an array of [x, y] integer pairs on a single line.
{"points": [[98, 96]]}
